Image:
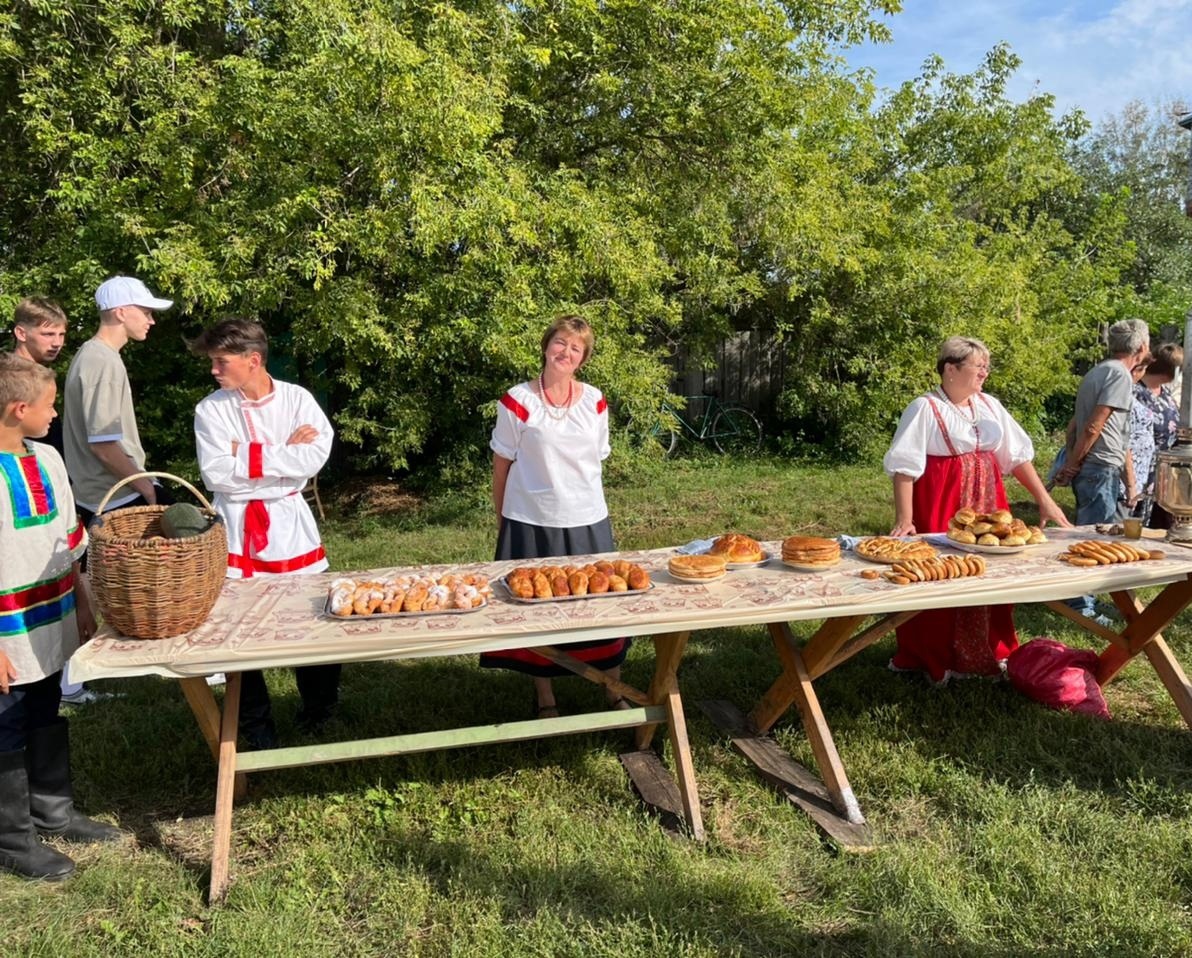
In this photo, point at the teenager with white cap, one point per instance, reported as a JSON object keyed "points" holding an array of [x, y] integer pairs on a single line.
{"points": [[101, 438]]}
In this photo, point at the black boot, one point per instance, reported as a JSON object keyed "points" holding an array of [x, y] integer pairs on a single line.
{"points": [[51, 801], [20, 850]]}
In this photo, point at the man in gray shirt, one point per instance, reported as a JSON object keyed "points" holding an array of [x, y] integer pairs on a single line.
{"points": [[1101, 445], [100, 430]]}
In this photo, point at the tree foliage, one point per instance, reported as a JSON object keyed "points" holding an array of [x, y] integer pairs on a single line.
{"points": [[404, 192]]}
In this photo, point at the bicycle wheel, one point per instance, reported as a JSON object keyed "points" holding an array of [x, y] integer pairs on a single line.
{"points": [[736, 430], [668, 439]]}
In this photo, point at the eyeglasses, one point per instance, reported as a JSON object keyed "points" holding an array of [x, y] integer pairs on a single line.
{"points": [[985, 367]]}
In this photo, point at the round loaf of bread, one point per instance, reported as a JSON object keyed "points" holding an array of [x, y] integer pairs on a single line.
{"points": [[697, 567], [737, 548]]}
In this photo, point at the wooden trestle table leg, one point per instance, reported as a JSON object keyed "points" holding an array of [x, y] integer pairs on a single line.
{"points": [[833, 634], [225, 788], [1143, 632], [206, 713], [664, 690]]}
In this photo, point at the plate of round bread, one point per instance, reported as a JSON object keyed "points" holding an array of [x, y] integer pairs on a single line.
{"points": [[810, 553], [696, 568], [987, 549], [739, 551]]}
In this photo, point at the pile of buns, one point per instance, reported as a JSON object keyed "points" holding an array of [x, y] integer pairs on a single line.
{"points": [[697, 567], [997, 528], [936, 569], [737, 548], [1094, 552], [886, 549], [810, 551], [596, 578], [407, 593]]}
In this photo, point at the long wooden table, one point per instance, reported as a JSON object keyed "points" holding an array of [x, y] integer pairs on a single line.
{"points": [[269, 622], [1031, 576]]}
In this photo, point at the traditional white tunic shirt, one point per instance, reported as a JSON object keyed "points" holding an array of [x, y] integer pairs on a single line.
{"points": [[555, 479], [40, 539], [263, 481], [918, 435]]}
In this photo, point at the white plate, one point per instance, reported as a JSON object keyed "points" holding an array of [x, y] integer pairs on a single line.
{"points": [[766, 557], [988, 550], [803, 567]]}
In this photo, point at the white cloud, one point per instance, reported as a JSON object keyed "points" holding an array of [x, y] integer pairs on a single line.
{"points": [[1095, 56]]}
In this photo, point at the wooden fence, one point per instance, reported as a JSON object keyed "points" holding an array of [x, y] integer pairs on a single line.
{"points": [[748, 368]]}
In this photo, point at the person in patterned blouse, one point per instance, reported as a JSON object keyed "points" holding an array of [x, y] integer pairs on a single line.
{"points": [[1154, 420]]}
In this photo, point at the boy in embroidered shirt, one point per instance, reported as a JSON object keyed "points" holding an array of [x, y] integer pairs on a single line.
{"points": [[43, 617], [259, 441]]}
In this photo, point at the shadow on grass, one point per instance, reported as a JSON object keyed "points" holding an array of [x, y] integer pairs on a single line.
{"points": [[986, 728], [716, 909]]}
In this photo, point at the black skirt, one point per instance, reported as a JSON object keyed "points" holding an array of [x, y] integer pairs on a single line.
{"points": [[520, 540]]}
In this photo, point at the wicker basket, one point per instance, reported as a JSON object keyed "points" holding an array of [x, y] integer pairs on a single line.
{"points": [[147, 586]]}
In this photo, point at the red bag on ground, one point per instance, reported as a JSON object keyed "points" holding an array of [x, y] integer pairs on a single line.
{"points": [[1057, 676]]}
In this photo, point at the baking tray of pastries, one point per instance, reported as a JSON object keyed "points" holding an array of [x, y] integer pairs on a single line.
{"points": [[532, 585], [406, 596]]}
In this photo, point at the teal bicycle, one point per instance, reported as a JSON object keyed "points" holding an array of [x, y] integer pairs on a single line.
{"points": [[727, 426]]}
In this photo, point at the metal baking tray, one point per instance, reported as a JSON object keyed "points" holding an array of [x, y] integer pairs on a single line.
{"points": [[571, 598], [328, 614]]}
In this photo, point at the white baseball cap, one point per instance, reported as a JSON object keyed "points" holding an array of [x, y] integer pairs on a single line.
{"points": [[127, 291]]}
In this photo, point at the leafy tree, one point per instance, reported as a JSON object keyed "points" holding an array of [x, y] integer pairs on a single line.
{"points": [[1140, 158], [404, 191], [961, 230]]}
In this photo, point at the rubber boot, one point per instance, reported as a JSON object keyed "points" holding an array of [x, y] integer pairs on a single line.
{"points": [[51, 801], [20, 850]]}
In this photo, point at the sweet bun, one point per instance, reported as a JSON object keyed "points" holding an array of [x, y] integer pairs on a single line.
{"points": [[988, 539], [961, 535], [598, 582], [965, 517], [737, 548], [1000, 516]]}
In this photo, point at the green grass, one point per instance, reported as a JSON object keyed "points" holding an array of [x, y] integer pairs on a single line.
{"points": [[1003, 828]]}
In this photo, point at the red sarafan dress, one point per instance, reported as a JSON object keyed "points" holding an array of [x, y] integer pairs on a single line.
{"points": [[956, 461]]}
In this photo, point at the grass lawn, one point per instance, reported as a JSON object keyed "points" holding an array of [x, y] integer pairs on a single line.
{"points": [[1002, 828]]}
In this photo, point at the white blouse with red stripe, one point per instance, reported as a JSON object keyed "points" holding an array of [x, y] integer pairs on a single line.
{"points": [[271, 530], [987, 428], [555, 477]]}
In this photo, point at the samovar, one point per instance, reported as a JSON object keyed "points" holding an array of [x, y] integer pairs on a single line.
{"points": [[1173, 467]]}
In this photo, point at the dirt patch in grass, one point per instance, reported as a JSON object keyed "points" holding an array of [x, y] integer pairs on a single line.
{"points": [[370, 496]]}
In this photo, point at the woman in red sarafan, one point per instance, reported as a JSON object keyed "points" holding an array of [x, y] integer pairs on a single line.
{"points": [[952, 447]]}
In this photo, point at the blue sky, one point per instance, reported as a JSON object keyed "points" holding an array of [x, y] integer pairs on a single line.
{"points": [[1097, 55]]}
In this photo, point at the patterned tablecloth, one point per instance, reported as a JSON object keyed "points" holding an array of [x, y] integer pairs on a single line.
{"points": [[275, 621]]}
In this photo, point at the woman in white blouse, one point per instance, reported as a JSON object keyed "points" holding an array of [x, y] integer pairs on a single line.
{"points": [[548, 444], [952, 447]]}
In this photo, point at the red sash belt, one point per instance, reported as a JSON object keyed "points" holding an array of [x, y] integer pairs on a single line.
{"points": [[256, 538]]}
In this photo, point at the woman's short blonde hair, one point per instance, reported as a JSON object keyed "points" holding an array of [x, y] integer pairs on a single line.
{"points": [[570, 325], [956, 349]]}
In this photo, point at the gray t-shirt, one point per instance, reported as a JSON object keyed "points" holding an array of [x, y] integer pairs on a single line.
{"points": [[1107, 384], [97, 407]]}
